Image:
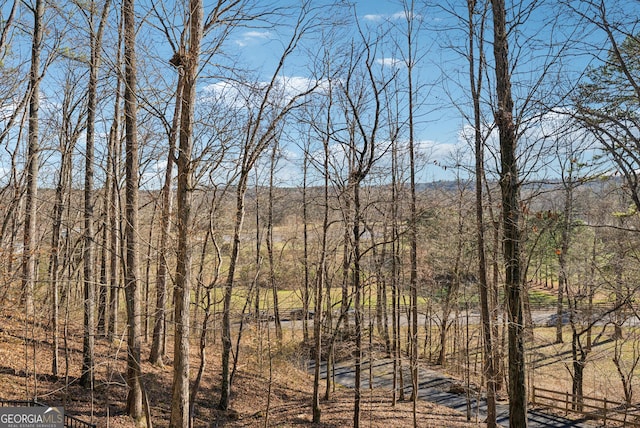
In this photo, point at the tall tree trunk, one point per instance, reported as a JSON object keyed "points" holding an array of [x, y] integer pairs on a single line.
{"points": [[305, 252], [475, 83], [346, 301], [357, 288], [272, 272], [579, 357], [147, 273], [565, 236], [208, 304], [327, 283], [413, 222], [54, 259], [68, 137], [159, 330], [86, 378], [321, 275], [29, 258], [510, 186], [180, 391], [101, 323], [132, 290], [114, 152], [225, 387]]}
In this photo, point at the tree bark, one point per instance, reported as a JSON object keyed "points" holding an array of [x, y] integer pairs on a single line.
{"points": [[180, 391], [159, 325], [86, 378], [270, 244], [132, 290], [114, 152], [510, 186], [483, 283], [321, 275], [29, 258], [413, 221], [225, 387]]}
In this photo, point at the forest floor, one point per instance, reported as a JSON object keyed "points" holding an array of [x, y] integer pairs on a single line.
{"points": [[274, 392]]}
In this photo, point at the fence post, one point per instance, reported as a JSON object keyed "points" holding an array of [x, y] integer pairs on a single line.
{"points": [[566, 403], [605, 411], [533, 396]]}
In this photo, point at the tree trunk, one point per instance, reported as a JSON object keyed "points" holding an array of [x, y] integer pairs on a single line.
{"points": [[86, 378], [272, 271], [29, 258], [357, 287], [114, 152], [394, 273], [321, 280], [114, 212], [413, 221], [578, 375], [159, 330], [132, 291], [483, 283], [182, 296], [510, 186], [305, 254], [225, 387], [68, 140]]}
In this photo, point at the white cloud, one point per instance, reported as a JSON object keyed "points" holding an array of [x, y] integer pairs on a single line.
{"points": [[391, 62], [404, 15], [392, 17], [373, 17], [250, 37], [434, 149], [257, 34], [225, 92], [241, 96], [295, 84], [399, 15]]}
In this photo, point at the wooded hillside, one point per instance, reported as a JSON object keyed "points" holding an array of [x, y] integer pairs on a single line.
{"points": [[204, 204]]}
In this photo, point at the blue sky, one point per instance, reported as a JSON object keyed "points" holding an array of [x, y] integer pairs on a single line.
{"points": [[439, 124], [440, 72], [441, 76]]}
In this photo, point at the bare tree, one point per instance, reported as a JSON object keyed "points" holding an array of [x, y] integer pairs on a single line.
{"points": [[86, 378], [259, 134], [29, 258], [70, 128], [410, 58], [273, 160], [189, 60], [114, 152], [159, 326], [7, 24], [362, 91], [132, 291], [510, 187], [477, 67]]}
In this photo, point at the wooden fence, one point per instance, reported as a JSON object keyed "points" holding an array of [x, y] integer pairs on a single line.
{"points": [[590, 408]]}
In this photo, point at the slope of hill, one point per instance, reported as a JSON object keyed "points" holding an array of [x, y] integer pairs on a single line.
{"points": [[283, 400]]}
